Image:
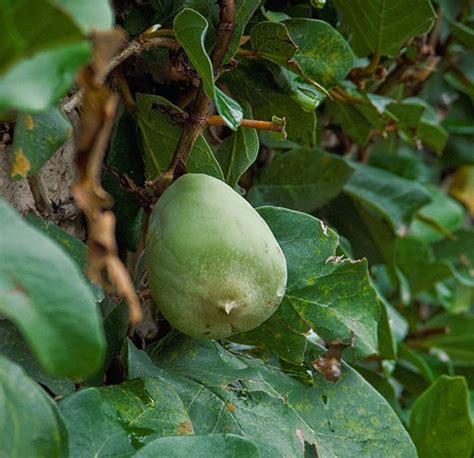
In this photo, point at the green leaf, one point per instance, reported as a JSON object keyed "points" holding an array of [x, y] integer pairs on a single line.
{"points": [[302, 180], [440, 423], [76, 249], [190, 28], [309, 47], [30, 424], [241, 395], [36, 83], [204, 445], [244, 11], [437, 220], [463, 34], [238, 151], [461, 245], [458, 339], [323, 56], [330, 295], [416, 261], [123, 156], [160, 136], [117, 420], [272, 41], [384, 26], [14, 347], [358, 120], [252, 82], [53, 307], [23, 37], [37, 137], [393, 197], [90, 15]]}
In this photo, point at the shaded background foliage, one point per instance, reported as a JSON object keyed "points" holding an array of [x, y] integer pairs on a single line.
{"points": [[363, 168]]}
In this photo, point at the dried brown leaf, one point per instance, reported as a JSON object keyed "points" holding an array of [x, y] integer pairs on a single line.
{"points": [[97, 120]]}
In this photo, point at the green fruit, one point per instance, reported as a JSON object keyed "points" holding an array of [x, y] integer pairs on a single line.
{"points": [[214, 267]]}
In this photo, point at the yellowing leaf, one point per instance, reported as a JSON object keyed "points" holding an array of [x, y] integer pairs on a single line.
{"points": [[462, 186]]}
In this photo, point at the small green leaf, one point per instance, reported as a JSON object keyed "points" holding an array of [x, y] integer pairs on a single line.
{"points": [[440, 423], [394, 198], [384, 26], [463, 34], [416, 261], [117, 420], [30, 423], [221, 445], [37, 137], [437, 220], [190, 28], [124, 157], [160, 135], [238, 151], [251, 82], [53, 307], [272, 41], [302, 180]]}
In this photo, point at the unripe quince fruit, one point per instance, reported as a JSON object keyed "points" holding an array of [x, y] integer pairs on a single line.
{"points": [[214, 267]]}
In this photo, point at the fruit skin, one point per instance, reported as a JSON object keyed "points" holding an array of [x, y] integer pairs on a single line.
{"points": [[214, 267]]}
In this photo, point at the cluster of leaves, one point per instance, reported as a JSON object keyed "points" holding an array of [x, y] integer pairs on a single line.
{"points": [[370, 196]]}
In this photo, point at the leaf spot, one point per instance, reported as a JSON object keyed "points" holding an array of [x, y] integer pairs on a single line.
{"points": [[29, 123], [186, 427], [230, 407], [21, 165]]}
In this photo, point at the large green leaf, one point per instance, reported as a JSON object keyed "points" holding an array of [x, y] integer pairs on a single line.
{"points": [[190, 28], [302, 180], [30, 424], [384, 26], [238, 152], [240, 395], [160, 136], [37, 137], [394, 198], [36, 83], [23, 37], [117, 420], [203, 445], [251, 82], [43, 292], [90, 15], [323, 54], [76, 249], [331, 295], [310, 47], [440, 423], [14, 347]]}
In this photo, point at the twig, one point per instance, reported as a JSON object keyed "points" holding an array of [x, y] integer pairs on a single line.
{"points": [[197, 120], [134, 48], [40, 195], [250, 123]]}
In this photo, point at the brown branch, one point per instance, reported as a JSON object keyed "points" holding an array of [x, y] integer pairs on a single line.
{"points": [[249, 123], [197, 120], [134, 48]]}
